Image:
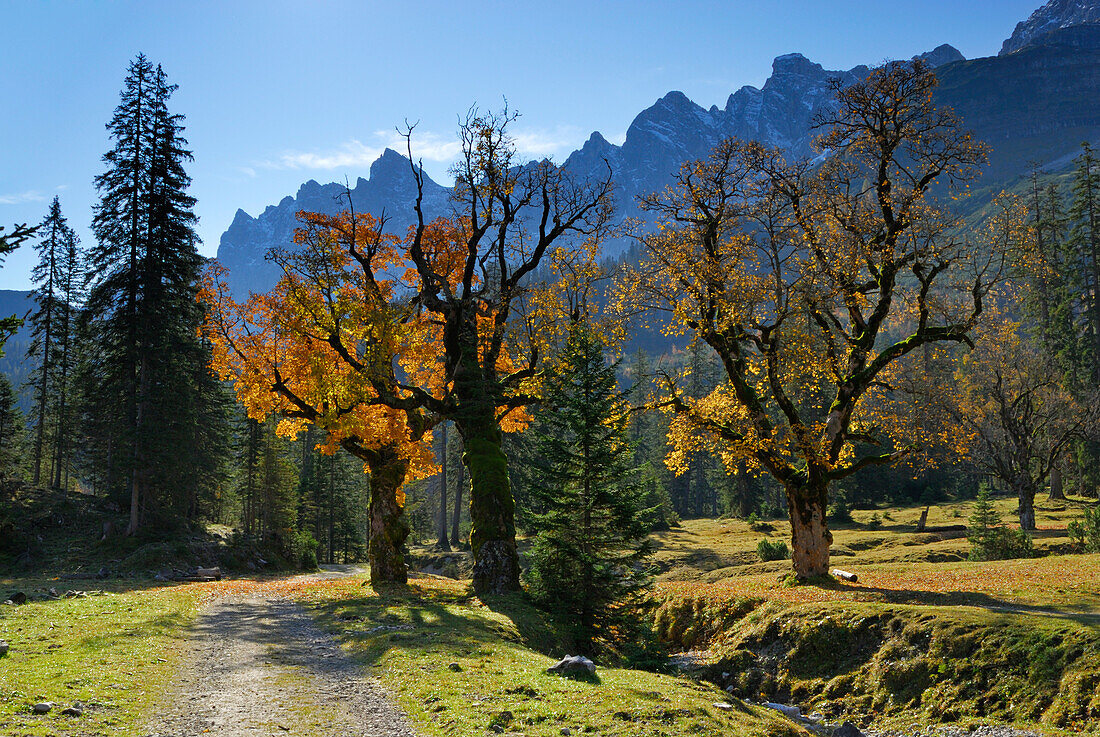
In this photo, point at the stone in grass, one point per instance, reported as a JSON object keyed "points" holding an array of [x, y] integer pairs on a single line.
{"points": [[847, 730], [455, 667], [572, 665], [76, 710], [42, 708], [3, 648]]}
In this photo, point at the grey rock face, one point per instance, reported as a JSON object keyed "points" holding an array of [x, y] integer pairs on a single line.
{"points": [[1054, 15]]}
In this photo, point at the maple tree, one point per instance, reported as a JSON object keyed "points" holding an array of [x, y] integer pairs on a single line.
{"points": [[474, 273], [321, 348], [1021, 417], [812, 281]]}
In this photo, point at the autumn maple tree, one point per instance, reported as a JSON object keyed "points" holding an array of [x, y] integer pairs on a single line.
{"points": [[812, 282], [507, 218], [323, 347]]}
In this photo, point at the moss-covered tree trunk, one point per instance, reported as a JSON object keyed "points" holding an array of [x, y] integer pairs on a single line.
{"points": [[388, 525], [492, 509], [807, 503]]}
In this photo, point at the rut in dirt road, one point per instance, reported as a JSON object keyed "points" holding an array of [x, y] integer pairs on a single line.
{"points": [[262, 667]]}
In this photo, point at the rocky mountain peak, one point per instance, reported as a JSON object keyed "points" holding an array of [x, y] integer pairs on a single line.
{"points": [[942, 54], [1054, 15], [390, 165], [793, 66]]}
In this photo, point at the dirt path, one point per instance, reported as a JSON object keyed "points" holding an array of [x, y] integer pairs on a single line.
{"points": [[260, 666]]}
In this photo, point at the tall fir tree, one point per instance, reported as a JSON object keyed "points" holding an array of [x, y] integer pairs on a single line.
{"points": [[586, 562], [167, 445], [50, 333]]}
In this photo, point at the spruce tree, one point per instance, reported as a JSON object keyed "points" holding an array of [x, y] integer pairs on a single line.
{"points": [[11, 433], [586, 564], [45, 321], [142, 315]]}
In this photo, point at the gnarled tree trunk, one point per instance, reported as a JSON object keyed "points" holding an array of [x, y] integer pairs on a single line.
{"points": [[810, 535], [1056, 490], [388, 525], [1025, 492], [492, 509]]}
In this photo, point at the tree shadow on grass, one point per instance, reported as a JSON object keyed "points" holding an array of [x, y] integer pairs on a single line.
{"points": [[909, 597]]}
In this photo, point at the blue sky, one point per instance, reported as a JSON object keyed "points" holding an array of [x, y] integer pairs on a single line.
{"points": [[276, 93]]}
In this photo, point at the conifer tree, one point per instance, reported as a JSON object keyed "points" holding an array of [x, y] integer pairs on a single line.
{"points": [[143, 315], [70, 290], [8, 243], [11, 432], [586, 562], [45, 322]]}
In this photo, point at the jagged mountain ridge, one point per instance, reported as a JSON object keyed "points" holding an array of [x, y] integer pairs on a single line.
{"points": [[671, 131], [1036, 104], [1053, 16]]}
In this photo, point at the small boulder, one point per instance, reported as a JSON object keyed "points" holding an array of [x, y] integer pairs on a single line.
{"points": [[847, 730], [792, 712], [455, 667], [76, 710], [573, 665], [3, 648], [42, 708], [18, 598]]}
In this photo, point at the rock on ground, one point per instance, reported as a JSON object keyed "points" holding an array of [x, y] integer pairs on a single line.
{"points": [[261, 666]]}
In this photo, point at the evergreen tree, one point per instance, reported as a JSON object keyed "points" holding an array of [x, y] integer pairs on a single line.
{"points": [[166, 442], [586, 562], [1085, 212], [8, 243], [45, 322], [11, 433], [71, 275]]}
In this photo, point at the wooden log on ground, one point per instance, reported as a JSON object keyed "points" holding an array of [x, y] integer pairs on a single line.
{"points": [[847, 576]]}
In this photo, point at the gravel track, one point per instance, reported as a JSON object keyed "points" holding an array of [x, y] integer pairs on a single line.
{"points": [[259, 666]]}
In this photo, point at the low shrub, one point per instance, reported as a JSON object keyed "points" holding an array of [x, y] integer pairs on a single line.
{"points": [[769, 550], [1085, 532]]}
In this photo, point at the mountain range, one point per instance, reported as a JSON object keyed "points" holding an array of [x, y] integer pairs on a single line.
{"points": [[1033, 103]]}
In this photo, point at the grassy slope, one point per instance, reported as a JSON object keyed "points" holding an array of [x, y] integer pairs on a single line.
{"points": [[461, 667], [925, 636], [113, 652]]}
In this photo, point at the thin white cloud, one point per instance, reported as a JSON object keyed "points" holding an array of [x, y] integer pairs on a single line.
{"points": [[356, 154], [22, 198], [426, 145], [541, 143]]}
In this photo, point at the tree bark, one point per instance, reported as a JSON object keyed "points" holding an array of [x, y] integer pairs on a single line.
{"points": [[388, 525], [456, 518], [492, 509], [1056, 490], [810, 535], [444, 543], [1025, 492]]}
